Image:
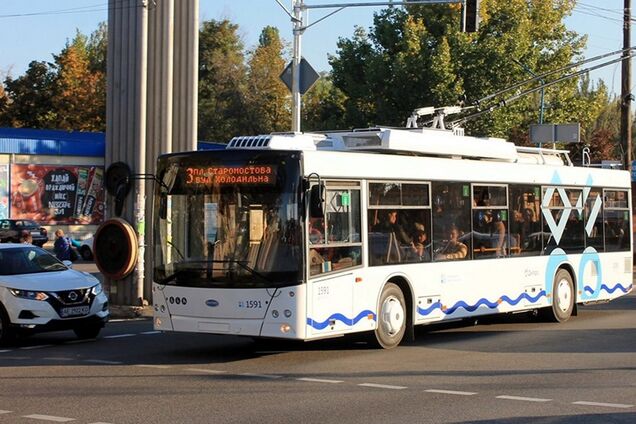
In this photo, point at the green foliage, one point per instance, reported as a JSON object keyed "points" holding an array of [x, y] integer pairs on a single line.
{"points": [[417, 56], [323, 106], [31, 98], [267, 106], [222, 76]]}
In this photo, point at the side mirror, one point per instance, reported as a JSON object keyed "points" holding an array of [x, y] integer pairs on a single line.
{"points": [[163, 206], [316, 201]]}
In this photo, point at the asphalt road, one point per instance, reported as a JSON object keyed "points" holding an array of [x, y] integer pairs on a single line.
{"points": [[512, 370]]}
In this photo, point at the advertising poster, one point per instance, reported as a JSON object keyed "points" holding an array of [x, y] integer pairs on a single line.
{"points": [[4, 191], [57, 194]]}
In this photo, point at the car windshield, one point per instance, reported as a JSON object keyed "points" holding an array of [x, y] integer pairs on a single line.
{"points": [[28, 260]]}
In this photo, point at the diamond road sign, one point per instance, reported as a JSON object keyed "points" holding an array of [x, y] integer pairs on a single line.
{"points": [[308, 76]]}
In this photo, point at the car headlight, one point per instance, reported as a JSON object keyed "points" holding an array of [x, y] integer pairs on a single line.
{"points": [[28, 294], [97, 289]]}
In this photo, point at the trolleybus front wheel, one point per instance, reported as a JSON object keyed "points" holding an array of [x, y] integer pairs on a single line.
{"points": [[562, 298], [391, 317]]}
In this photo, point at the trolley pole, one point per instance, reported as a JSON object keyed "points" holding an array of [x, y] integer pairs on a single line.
{"points": [[626, 86]]}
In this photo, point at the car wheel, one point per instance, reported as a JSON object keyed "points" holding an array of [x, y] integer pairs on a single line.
{"points": [[86, 253], [391, 317], [90, 331], [562, 298], [5, 332]]}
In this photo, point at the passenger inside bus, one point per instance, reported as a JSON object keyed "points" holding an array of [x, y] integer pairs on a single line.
{"points": [[397, 240], [453, 249], [419, 252]]}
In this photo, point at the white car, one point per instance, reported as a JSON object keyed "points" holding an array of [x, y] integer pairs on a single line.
{"points": [[40, 293], [86, 249]]}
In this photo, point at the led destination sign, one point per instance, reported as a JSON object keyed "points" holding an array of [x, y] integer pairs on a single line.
{"points": [[221, 175]]}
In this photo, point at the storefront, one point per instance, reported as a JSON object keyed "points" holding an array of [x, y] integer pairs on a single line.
{"points": [[53, 177]]}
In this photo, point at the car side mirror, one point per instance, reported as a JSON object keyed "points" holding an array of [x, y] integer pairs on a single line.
{"points": [[316, 201], [68, 263]]}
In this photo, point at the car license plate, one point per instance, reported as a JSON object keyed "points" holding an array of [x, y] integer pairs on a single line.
{"points": [[74, 311], [35, 233]]}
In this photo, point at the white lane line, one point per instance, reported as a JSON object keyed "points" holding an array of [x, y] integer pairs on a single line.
{"points": [[205, 371], [118, 336], [35, 347], [5, 351], [319, 380], [526, 399], [128, 319], [151, 332], [450, 392], [163, 367], [247, 374], [382, 386], [103, 361], [5, 412], [49, 418], [609, 405]]}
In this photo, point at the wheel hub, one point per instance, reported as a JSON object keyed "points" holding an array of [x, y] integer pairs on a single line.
{"points": [[563, 295], [392, 316]]}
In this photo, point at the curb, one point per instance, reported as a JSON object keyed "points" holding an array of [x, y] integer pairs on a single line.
{"points": [[129, 312]]}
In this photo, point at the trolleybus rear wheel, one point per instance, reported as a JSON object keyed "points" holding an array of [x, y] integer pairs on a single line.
{"points": [[391, 317], [562, 297]]}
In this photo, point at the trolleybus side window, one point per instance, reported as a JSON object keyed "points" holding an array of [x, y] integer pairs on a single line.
{"points": [[451, 221], [565, 227], [335, 238], [399, 219], [490, 221], [593, 218], [616, 215], [525, 220]]}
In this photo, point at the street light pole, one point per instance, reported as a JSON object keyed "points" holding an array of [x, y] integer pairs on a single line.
{"points": [[298, 31]]}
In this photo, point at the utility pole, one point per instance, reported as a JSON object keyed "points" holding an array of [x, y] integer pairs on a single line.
{"points": [[626, 86], [297, 20]]}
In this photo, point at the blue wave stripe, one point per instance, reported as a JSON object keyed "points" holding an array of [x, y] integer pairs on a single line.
{"points": [[493, 305], [339, 317], [424, 312], [610, 290]]}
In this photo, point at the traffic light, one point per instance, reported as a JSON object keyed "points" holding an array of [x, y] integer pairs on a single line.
{"points": [[470, 16]]}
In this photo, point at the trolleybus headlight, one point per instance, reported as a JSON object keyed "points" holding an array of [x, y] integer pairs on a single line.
{"points": [[285, 328], [275, 313], [287, 313]]}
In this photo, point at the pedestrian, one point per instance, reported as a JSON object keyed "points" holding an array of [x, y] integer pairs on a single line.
{"points": [[62, 246], [26, 237]]}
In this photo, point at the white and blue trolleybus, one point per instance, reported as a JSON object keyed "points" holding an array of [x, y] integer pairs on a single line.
{"points": [[309, 236]]}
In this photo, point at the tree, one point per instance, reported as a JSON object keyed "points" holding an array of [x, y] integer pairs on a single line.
{"points": [[323, 106], [80, 97], [267, 100], [417, 56], [30, 98], [222, 76]]}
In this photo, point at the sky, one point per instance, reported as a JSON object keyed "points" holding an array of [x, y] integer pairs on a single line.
{"points": [[37, 29]]}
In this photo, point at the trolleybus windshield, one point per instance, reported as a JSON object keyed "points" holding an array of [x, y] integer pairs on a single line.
{"points": [[228, 219]]}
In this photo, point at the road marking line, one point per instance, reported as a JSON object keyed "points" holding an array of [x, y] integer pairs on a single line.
{"points": [[56, 358], [152, 332], [450, 392], [49, 418], [163, 367], [128, 319], [103, 361], [609, 405], [118, 336], [35, 347], [527, 399], [382, 386], [205, 371], [5, 412], [319, 380], [5, 351], [247, 374]]}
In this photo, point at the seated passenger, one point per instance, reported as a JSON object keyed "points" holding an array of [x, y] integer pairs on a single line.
{"points": [[453, 249], [419, 249]]}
